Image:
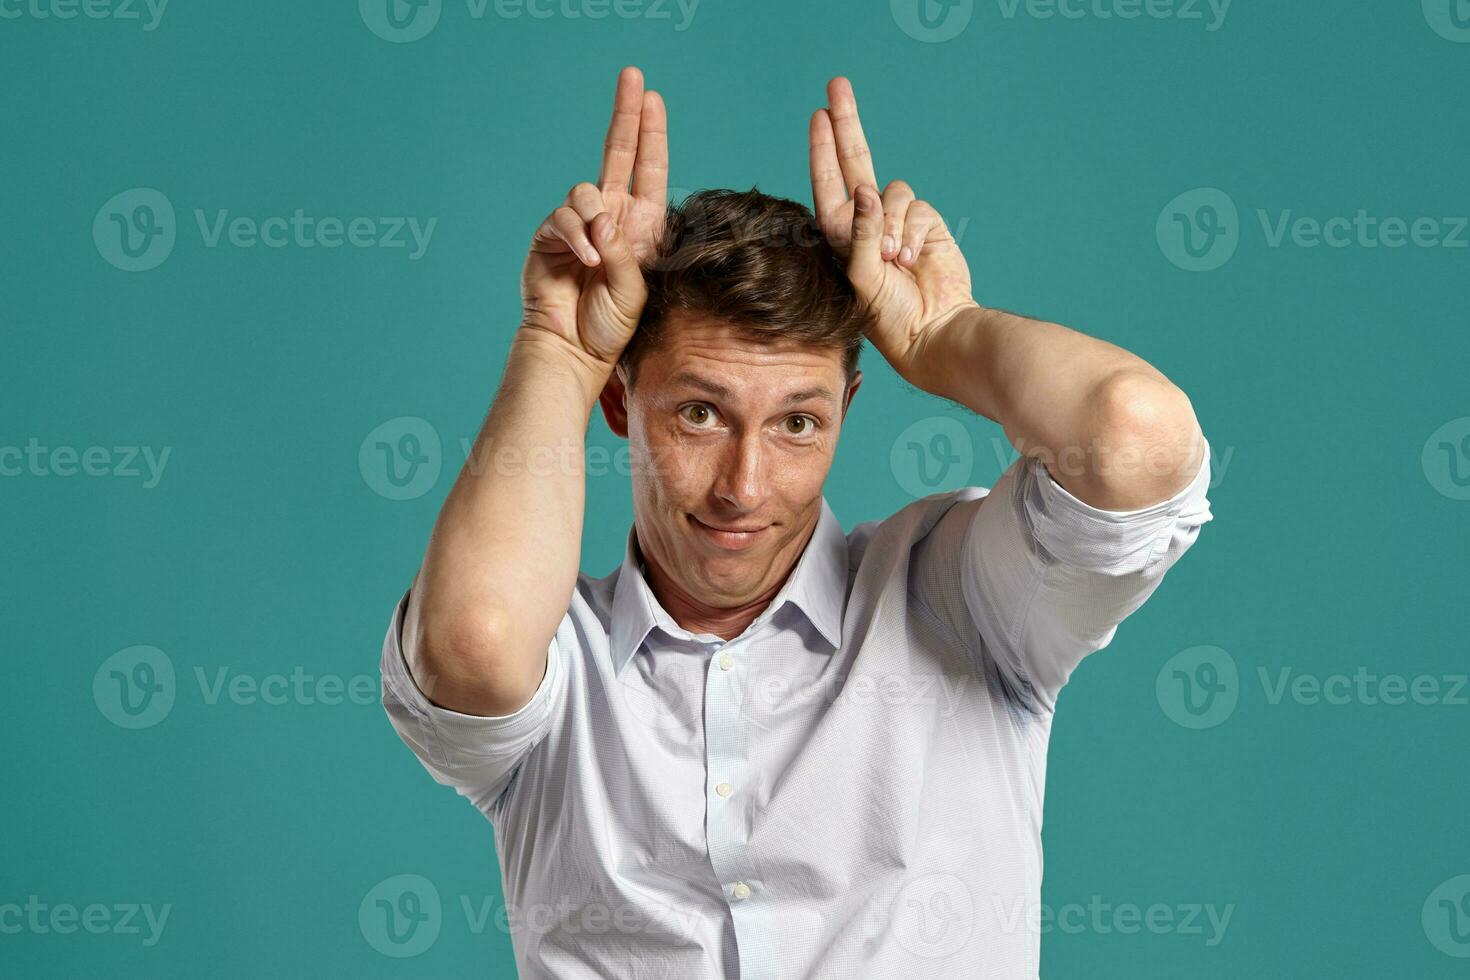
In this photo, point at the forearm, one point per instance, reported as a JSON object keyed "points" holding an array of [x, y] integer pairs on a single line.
{"points": [[1110, 427], [503, 558]]}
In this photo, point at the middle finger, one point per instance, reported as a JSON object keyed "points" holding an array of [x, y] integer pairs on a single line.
{"points": [[852, 146]]}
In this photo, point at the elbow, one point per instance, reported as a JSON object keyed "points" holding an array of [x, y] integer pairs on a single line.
{"points": [[1151, 441], [468, 662]]}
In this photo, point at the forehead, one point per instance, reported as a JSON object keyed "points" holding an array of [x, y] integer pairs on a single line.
{"points": [[693, 346]]}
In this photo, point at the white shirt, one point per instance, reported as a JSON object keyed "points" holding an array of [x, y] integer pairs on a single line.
{"points": [[852, 787]]}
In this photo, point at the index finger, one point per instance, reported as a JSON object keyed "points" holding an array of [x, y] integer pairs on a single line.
{"points": [[828, 191], [620, 148], [852, 146], [651, 169]]}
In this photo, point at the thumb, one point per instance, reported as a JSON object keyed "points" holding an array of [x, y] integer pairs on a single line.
{"points": [[865, 263], [619, 264]]}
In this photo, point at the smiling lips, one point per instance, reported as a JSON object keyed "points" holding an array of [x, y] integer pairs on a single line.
{"points": [[729, 538]]}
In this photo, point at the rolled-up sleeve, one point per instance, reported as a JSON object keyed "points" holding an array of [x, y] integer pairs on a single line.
{"points": [[475, 755], [1047, 578]]}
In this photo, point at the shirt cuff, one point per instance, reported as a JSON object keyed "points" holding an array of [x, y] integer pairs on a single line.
{"points": [[1113, 541], [451, 738]]}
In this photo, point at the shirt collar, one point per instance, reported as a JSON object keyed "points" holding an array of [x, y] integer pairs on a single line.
{"points": [[817, 586]]}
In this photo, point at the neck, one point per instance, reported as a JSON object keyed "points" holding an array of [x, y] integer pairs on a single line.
{"points": [[726, 622]]}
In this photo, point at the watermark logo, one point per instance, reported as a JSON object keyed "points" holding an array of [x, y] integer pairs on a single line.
{"points": [[1446, 459], [1099, 457], [1199, 230], [1198, 687], [1210, 13], [405, 21], [934, 455], [1446, 917], [1207, 920], [401, 458], [135, 230], [1363, 687], [38, 917], [149, 13], [401, 916], [135, 687], [932, 21], [400, 21], [36, 459], [1450, 19], [933, 916], [940, 20]]}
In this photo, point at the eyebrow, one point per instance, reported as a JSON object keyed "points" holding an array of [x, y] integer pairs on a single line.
{"points": [[720, 391]]}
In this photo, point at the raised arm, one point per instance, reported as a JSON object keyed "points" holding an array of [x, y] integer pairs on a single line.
{"points": [[503, 559], [1110, 428]]}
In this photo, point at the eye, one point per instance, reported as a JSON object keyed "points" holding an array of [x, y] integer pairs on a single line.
{"points": [[800, 425], [698, 414]]}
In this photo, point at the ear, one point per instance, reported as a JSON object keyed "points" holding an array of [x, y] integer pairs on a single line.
{"points": [[857, 379], [614, 403]]}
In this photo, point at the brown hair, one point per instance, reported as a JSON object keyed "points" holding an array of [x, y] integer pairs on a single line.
{"points": [[758, 262]]}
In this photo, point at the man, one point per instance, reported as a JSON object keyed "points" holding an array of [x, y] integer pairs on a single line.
{"points": [[765, 747]]}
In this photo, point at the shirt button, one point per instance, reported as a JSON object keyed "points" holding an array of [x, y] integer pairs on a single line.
{"points": [[724, 789], [742, 890], [726, 661]]}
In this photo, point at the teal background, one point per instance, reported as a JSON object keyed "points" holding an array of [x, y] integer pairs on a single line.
{"points": [[264, 548]]}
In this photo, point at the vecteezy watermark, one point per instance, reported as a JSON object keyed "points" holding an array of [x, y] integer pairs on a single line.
{"points": [[933, 915], [1200, 230], [402, 458], [137, 230], [1363, 687], [403, 915], [137, 687], [1209, 13], [1450, 19], [40, 918], [673, 698], [1103, 918], [934, 21], [1198, 687], [932, 455], [1201, 686], [148, 13], [1104, 459], [700, 217], [406, 21], [145, 463], [1446, 917], [1446, 459]]}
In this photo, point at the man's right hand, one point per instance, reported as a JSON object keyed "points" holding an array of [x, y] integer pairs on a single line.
{"points": [[582, 281]]}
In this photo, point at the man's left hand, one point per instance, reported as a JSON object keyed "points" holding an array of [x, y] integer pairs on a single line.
{"points": [[900, 255]]}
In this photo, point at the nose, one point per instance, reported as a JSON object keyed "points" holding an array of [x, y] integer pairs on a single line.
{"points": [[742, 481]]}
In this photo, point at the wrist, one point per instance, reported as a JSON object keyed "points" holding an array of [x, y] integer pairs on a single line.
{"points": [[550, 351], [933, 366]]}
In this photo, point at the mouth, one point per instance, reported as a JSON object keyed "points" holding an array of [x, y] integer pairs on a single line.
{"points": [[735, 537]]}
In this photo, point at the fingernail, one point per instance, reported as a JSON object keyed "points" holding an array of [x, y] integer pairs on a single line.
{"points": [[907, 255], [888, 243]]}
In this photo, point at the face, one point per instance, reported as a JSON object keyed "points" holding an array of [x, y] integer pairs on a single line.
{"points": [[731, 440]]}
